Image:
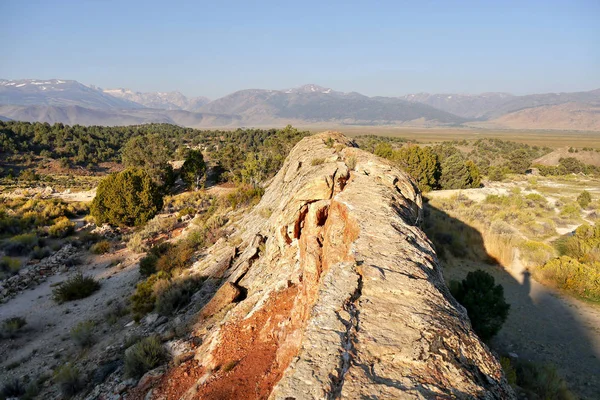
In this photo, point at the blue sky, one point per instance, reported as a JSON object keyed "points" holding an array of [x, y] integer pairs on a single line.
{"points": [[385, 48]]}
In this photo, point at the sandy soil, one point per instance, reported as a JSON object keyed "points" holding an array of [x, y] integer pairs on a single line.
{"points": [[45, 342]]}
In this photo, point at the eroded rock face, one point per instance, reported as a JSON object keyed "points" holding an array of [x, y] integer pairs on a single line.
{"points": [[338, 294]]}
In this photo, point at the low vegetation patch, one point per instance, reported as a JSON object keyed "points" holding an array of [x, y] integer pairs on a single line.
{"points": [[75, 288]]}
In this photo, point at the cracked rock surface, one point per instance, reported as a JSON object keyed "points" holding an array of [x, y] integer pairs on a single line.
{"points": [[338, 294]]}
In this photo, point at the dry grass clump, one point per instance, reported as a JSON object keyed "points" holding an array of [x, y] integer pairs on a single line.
{"points": [[317, 161]]}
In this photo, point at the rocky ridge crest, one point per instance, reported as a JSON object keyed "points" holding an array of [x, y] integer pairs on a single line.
{"points": [[334, 292]]}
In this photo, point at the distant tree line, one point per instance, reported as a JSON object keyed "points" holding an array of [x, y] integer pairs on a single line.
{"points": [[433, 167]]}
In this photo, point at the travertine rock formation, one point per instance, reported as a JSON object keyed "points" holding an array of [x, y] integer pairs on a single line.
{"points": [[334, 292]]}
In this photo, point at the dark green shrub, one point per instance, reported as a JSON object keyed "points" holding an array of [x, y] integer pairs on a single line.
{"points": [[13, 388], [148, 264], [11, 326], [193, 169], [127, 198], [584, 199], [101, 247], [143, 356], [76, 287], [69, 380], [83, 334], [421, 163], [484, 301]]}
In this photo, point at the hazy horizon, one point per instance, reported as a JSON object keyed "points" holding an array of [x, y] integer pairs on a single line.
{"points": [[207, 49]]}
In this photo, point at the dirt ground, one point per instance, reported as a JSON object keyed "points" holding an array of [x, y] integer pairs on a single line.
{"points": [[543, 325], [45, 341]]}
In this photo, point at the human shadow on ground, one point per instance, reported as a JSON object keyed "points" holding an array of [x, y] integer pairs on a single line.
{"points": [[542, 327]]}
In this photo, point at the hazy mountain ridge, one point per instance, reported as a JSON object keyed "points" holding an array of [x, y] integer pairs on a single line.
{"points": [[69, 101], [57, 92], [162, 100], [494, 104], [312, 103], [77, 115], [464, 105]]}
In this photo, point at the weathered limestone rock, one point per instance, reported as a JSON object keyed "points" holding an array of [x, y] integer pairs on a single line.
{"points": [[344, 294]]}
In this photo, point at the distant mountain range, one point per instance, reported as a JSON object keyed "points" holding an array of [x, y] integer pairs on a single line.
{"points": [[161, 100], [71, 102]]}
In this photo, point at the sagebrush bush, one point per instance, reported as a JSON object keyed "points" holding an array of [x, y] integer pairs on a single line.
{"points": [[176, 257], [61, 228], [69, 380], [11, 326], [317, 161], [40, 252], [21, 244], [143, 356], [543, 380], [584, 199], [101, 247], [76, 287], [9, 266], [177, 295], [579, 278], [484, 301], [143, 299], [536, 253], [117, 311], [83, 334]]}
